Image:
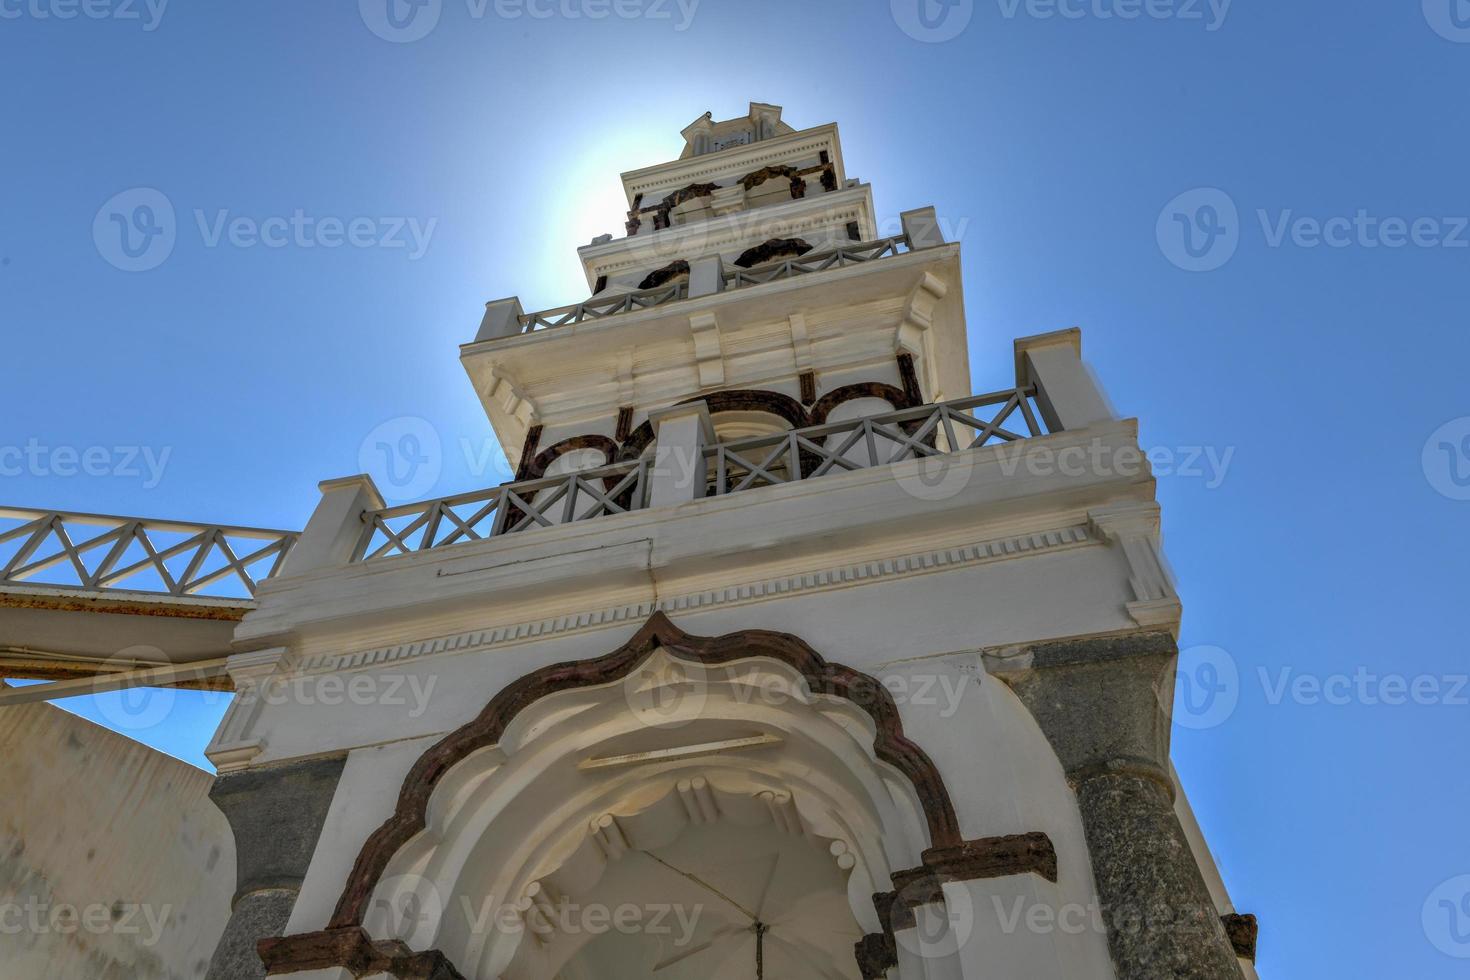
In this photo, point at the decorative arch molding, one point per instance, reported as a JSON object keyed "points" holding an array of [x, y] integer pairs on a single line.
{"points": [[757, 177], [863, 389], [659, 632], [656, 278], [772, 248], [661, 215], [731, 400], [550, 454], [345, 943]]}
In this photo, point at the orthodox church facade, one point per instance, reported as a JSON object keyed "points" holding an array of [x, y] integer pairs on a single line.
{"points": [[784, 655]]}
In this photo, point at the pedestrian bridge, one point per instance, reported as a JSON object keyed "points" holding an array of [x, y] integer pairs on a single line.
{"points": [[85, 597]]}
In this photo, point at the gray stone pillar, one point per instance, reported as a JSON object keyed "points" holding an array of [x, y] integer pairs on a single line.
{"points": [[1103, 705], [276, 813]]}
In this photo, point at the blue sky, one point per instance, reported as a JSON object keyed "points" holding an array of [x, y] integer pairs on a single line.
{"points": [[1307, 387]]}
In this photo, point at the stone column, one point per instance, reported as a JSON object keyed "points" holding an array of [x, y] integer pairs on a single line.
{"points": [[1103, 704], [276, 813]]}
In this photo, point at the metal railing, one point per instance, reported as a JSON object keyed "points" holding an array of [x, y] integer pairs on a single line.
{"points": [[836, 258], [98, 552], [599, 307], [878, 440]]}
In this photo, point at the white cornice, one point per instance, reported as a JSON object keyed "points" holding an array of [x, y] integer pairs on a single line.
{"points": [[746, 158], [818, 580]]}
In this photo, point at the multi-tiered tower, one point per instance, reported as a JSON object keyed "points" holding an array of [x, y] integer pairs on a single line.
{"points": [[783, 656]]}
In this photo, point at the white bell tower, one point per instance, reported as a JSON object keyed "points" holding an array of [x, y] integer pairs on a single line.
{"points": [[783, 655]]}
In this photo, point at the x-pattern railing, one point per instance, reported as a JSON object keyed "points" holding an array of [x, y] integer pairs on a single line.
{"points": [[643, 299], [929, 430], [836, 258], [877, 440], [505, 509], [96, 552], [596, 308]]}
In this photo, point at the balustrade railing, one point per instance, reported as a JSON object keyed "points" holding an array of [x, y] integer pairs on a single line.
{"points": [[878, 440], [97, 552], [505, 509], [598, 307], [836, 258], [787, 457], [603, 306]]}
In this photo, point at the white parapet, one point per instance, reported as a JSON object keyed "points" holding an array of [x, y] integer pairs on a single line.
{"points": [[921, 225], [336, 527], [1066, 392], [502, 319]]}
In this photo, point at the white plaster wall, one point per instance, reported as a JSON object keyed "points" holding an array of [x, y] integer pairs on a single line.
{"points": [[861, 625], [92, 820]]}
